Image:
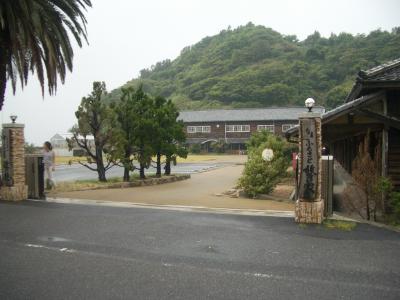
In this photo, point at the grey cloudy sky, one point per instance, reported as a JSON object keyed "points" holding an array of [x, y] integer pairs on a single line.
{"points": [[127, 36]]}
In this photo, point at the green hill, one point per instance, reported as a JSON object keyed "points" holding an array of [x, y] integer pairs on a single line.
{"points": [[255, 66]]}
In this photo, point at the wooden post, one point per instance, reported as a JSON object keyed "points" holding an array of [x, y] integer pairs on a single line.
{"points": [[309, 205], [385, 142]]}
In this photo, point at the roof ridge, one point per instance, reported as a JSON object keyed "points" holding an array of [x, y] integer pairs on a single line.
{"points": [[380, 68], [251, 108]]}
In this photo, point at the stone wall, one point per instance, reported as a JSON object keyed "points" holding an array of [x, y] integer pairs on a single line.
{"points": [[16, 189]]}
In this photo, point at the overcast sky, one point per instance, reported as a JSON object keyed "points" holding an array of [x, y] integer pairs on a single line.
{"points": [[127, 36]]}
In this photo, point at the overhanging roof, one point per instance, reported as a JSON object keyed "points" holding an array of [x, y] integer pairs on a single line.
{"points": [[385, 75], [341, 110]]}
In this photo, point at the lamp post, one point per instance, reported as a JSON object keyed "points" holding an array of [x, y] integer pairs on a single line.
{"points": [[13, 118]]}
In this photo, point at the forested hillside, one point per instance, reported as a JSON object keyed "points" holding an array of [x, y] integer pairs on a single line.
{"points": [[254, 66]]}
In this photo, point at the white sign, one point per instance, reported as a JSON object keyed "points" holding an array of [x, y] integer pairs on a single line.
{"points": [[267, 154]]}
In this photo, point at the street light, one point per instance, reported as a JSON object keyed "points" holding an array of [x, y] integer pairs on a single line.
{"points": [[13, 118], [310, 104]]}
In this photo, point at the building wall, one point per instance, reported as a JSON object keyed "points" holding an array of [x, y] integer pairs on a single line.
{"points": [[218, 129]]}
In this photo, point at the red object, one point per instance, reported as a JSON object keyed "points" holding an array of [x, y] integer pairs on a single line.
{"points": [[294, 161]]}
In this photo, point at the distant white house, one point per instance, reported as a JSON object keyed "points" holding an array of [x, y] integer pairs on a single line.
{"points": [[60, 145]]}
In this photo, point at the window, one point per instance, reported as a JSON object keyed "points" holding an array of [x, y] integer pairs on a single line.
{"points": [[269, 128], [198, 129], [237, 128], [286, 127]]}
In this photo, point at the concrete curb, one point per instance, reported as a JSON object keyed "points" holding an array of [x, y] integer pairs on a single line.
{"points": [[198, 209]]}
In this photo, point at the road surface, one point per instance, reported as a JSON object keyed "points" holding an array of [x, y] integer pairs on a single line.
{"points": [[65, 251], [78, 172]]}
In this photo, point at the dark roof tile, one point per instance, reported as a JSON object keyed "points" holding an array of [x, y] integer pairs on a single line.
{"points": [[241, 115]]}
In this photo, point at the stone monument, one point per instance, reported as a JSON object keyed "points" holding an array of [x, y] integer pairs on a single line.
{"points": [[13, 185], [309, 205]]}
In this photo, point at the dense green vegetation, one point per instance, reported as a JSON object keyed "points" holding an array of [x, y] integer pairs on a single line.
{"points": [[254, 66], [260, 176], [134, 128]]}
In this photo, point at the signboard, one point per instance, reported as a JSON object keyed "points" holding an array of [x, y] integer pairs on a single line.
{"points": [[309, 161], [6, 158]]}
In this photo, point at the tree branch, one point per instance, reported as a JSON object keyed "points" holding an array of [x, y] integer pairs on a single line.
{"points": [[87, 166]]}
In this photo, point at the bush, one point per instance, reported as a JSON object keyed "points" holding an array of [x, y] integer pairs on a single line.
{"points": [[218, 147], [384, 190], [395, 205], [259, 176], [195, 148]]}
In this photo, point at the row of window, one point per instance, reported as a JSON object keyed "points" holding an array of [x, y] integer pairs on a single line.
{"points": [[237, 128], [199, 129]]}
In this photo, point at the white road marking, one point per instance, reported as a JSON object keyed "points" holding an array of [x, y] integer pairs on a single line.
{"points": [[231, 272], [50, 248]]}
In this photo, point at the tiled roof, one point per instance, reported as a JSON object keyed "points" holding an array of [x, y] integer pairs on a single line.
{"points": [[387, 71], [256, 114]]}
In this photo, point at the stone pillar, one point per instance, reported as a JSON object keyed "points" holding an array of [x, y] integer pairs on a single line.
{"points": [[13, 187], [309, 205]]}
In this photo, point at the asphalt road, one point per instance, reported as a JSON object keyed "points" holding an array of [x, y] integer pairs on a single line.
{"points": [[78, 172], [60, 251]]}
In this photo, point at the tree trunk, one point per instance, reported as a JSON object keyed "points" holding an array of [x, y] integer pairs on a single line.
{"points": [[127, 159], [126, 174], [101, 171], [367, 208], [158, 173], [168, 165], [102, 174], [142, 166]]}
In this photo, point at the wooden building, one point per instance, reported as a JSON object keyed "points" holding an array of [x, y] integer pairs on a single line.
{"points": [[235, 126], [373, 106]]}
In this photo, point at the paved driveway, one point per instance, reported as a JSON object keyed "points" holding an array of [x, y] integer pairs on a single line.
{"points": [[203, 189], [58, 251]]}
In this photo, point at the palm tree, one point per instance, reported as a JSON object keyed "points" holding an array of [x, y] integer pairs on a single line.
{"points": [[34, 37]]}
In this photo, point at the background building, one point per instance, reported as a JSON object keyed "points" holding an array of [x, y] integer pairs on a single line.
{"points": [[60, 145], [235, 126]]}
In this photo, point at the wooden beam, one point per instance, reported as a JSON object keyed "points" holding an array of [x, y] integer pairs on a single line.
{"points": [[387, 120], [335, 132]]}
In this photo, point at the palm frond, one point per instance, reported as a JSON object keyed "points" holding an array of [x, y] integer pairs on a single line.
{"points": [[34, 37]]}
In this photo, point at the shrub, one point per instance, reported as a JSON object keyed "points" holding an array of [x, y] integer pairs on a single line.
{"points": [[218, 147], [259, 176], [195, 148], [395, 205]]}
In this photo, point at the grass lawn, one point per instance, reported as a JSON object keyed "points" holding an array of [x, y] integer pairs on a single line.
{"points": [[208, 157], [89, 184], [65, 160], [334, 224], [192, 158]]}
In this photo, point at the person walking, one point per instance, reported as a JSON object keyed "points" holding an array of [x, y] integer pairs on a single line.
{"points": [[49, 164]]}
